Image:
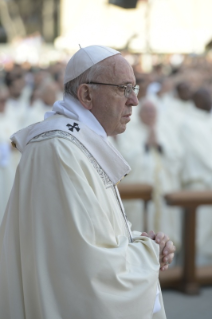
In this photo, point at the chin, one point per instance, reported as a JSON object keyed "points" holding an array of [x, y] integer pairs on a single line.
{"points": [[121, 130]]}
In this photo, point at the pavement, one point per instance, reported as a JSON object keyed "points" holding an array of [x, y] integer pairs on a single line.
{"points": [[181, 306]]}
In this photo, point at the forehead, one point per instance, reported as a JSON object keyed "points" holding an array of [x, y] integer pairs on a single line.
{"points": [[118, 70]]}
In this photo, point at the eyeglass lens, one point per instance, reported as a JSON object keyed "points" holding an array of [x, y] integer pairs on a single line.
{"points": [[130, 88]]}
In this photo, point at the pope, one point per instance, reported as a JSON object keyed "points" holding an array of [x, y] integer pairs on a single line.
{"points": [[66, 246]]}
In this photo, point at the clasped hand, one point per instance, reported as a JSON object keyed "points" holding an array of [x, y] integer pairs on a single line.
{"points": [[167, 248]]}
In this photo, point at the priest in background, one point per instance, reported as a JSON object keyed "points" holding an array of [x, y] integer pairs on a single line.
{"points": [[196, 132], [8, 156], [19, 95], [45, 96], [154, 153]]}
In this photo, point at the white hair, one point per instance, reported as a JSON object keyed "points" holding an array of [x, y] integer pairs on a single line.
{"points": [[89, 75]]}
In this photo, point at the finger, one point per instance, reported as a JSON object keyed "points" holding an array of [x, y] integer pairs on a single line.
{"points": [[163, 242], [165, 239], [158, 237], [144, 234], [164, 246], [168, 259], [162, 268], [165, 261], [151, 234], [169, 248]]}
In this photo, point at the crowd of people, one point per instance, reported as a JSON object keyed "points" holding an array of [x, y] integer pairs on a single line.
{"points": [[25, 96], [167, 143]]}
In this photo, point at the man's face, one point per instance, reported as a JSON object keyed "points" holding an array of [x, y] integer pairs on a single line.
{"points": [[184, 91], [17, 87], [148, 114], [49, 95], [109, 104]]}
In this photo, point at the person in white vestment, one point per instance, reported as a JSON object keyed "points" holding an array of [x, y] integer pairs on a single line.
{"points": [[66, 247], [154, 153], [47, 96], [58, 77], [19, 98], [183, 97], [8, 155], [44, 99], [196, 134]]}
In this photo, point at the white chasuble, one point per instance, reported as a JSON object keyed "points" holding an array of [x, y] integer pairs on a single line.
{"points": [[66, 250], [158, 169], [196, 175]]}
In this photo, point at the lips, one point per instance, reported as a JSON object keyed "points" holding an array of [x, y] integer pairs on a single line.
{"points": [[128, 115]]}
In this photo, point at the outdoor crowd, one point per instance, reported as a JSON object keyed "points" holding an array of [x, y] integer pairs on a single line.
{"points": [[167, 143]]}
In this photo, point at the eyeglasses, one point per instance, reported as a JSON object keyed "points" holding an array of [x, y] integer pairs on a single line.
{"points": [[128, 89]]}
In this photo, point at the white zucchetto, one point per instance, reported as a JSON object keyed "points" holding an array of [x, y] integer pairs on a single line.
{"points": [[85, 58]]}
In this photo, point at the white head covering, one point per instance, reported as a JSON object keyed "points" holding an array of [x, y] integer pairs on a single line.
{"points": [[85, 58]]}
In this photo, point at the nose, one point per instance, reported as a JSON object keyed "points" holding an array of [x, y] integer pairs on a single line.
{"points": [[132, 100]]}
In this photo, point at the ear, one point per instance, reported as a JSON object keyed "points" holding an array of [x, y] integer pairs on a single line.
{"points": [[85, 96]]}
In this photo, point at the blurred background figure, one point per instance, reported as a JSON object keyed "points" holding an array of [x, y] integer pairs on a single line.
{"points": [[196, 133], [8, 155], [19, 94], [154, 154], [47, 96], [42, 100]]}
